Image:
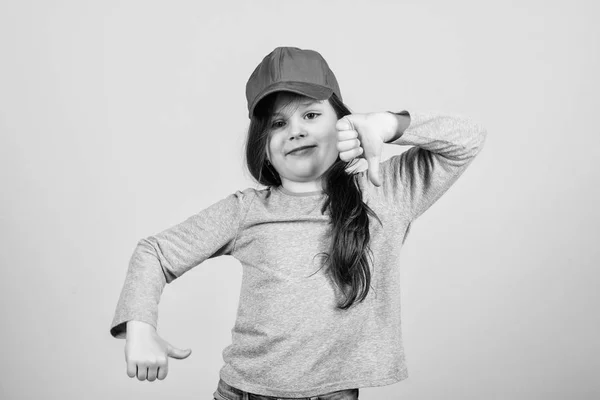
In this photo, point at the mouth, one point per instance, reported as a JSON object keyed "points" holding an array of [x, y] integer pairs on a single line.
{"points": [[300, 149]]}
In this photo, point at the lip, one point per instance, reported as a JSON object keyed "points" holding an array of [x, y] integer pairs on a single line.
{"points": [[300, 148]]}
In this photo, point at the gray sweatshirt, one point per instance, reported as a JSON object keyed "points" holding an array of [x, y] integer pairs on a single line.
{"points": [[289, 340]]}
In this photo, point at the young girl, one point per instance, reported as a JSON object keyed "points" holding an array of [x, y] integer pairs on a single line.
{"points": [[319, 308]]}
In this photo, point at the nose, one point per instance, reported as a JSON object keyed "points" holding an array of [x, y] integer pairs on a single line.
{"points": [[297, 130]]}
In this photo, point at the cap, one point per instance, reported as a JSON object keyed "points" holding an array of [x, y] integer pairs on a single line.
{"points": [[291, 69]]}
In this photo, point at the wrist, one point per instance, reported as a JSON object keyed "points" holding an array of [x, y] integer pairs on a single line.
{"points": [[139, 326], [402, 123]]}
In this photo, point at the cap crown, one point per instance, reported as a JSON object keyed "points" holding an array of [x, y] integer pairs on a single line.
{"points": [[292, 69]]}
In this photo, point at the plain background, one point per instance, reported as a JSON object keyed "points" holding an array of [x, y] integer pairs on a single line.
{"points": [[122, 118]]}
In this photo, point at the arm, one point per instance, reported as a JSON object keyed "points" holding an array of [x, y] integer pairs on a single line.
{"points": [[160, 259], [444, 146]]}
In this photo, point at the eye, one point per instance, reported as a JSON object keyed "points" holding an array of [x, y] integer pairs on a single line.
{"points": [[276, 125], [312, 113]]}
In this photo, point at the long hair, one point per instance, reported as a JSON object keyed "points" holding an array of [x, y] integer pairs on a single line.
{"points": [[347, 262]]}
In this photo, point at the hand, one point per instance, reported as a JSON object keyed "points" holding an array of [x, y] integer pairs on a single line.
{"points": [[147, 354], [363, 135]]}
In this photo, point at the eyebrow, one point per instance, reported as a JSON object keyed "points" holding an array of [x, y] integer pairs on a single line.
{"points": [[305, 104]]}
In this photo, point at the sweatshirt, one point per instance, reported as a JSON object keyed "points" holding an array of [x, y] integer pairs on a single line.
{"points": [[289, 339]]}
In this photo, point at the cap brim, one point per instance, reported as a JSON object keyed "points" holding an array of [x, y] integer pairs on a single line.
{"points": [[311, 90]]}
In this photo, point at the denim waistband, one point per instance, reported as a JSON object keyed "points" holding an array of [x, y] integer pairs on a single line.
{"points": [[227, 392]]}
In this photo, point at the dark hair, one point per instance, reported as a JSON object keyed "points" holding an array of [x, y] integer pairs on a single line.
{"points": [[347, 262]]}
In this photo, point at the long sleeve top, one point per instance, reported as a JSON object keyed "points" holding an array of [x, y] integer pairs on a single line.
{"points": [[289, 339]]}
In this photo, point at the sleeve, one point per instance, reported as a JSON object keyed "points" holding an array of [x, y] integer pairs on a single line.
{"points": [[444, 146], [160, 259]]}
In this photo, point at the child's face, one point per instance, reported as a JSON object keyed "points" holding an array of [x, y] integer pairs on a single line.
{"points": [[307, 123]]}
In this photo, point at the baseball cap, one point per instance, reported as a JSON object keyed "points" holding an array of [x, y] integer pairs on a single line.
{"points": [[294, 70]]}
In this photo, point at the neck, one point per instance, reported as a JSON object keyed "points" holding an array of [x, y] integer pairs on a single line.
{"points": [[302, 187]]}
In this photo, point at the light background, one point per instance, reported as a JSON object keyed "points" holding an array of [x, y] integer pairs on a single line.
{"points": [[122, 118]]}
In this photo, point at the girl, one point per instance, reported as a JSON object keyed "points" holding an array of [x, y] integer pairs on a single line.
{"points": [[319, 308]]}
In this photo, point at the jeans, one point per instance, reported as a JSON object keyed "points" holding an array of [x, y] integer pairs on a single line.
{"points": [[227, 392]]}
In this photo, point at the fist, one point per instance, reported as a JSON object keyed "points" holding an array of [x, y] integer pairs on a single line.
{"points": [[147, 354], [363, 135]]}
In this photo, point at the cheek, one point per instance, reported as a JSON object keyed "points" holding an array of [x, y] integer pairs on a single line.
{"points": [[273, 148], [333, 139], [333, 143]]}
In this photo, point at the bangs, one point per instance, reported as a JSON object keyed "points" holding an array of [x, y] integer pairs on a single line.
{"points": [[289, 102]]}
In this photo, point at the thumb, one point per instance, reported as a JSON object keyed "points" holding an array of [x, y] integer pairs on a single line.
{"points": [[179, 354], [373, 170], [344, 124]]}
